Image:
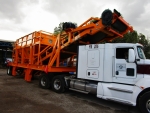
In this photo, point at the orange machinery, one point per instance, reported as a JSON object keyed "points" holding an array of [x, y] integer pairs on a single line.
{"points": [[42, 51]]}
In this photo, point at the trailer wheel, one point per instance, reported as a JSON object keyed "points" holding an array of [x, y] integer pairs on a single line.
{"points": [[144, 103], [9, 70], [44, 81], [58, 84]]}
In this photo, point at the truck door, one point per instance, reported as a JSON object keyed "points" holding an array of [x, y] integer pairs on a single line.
{"points": [[125, 72]]}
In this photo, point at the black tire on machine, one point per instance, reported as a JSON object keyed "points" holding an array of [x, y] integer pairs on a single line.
{"points": [[107, 17]]}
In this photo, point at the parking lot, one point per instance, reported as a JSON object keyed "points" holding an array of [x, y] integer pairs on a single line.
{"points": [[18, 96]]}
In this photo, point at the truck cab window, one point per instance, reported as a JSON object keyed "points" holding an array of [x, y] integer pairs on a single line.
{"points": [[122, 53], [140, 52]]}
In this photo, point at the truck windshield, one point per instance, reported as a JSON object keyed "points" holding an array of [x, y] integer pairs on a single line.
{"points": [[140, 52]]}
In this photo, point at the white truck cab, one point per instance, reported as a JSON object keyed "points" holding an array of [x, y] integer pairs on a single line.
{"points": [[115, 71], [112, 71]]}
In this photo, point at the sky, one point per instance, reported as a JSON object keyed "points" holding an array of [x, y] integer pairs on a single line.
{"points": [[21, 17]]}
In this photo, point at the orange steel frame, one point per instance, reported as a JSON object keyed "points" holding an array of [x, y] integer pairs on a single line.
{"points": [[33, 49]]}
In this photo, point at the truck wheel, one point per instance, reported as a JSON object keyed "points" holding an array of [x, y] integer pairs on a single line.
{"points": [[58, 84], [9, 70], [44, 81], [144, 103]]}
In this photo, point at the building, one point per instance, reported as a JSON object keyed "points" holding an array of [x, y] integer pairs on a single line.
{"points": [[6, 47]]}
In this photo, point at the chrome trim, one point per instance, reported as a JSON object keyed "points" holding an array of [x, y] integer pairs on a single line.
{"points": [[148, 106], [119, 89], [85, 86], [79, 90]]}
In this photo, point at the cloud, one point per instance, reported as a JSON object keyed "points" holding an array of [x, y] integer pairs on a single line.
{"points": [[24, 18], [136, 12], [10, 10], [73, 10], [20, 17]]}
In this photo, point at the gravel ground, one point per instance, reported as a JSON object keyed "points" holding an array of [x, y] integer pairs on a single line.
{"points": [[18, 96]]}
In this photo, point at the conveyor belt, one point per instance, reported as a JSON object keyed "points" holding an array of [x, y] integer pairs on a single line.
{"points": [[96, 32]]}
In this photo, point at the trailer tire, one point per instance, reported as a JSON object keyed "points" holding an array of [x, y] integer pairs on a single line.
{"points": [[58, 84], [9, 70], [144, 103], [44, 81]]}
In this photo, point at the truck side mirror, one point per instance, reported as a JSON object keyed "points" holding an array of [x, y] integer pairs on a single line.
{"points": [[131, 56]]}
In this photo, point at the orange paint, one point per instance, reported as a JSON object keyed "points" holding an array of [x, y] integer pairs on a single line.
{"points": [[46, 52]]}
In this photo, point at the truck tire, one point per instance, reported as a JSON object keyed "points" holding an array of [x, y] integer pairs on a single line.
{"points": [[9, 70], [44, 81], [144, 103], [58, 84]]}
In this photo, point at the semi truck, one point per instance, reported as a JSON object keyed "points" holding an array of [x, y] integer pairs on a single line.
{"points": [[83, 59]]}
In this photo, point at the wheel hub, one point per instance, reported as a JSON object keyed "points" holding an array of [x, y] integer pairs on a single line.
{"points": [[8, 71], [43, 82], [57, 84], [148, 105]]}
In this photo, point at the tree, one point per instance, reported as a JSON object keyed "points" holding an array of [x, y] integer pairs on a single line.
{"points": [[131, 37], [58, 29], [63, 26], [142, 39], [134, 37], [146, 43]]}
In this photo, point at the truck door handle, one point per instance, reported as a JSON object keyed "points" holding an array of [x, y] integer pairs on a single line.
{"points": [[117, 72]]}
